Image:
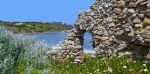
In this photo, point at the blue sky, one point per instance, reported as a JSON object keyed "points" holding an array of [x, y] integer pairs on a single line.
{"points": [[42, 10]]}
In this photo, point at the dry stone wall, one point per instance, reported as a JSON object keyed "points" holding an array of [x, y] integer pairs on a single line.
{"points": [[115, 25]]}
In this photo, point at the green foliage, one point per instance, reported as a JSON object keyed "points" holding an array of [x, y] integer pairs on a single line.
{"points": [[21, 54], [36, 27], [115, 65]]}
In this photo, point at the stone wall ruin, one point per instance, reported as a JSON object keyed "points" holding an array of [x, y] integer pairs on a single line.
{"points": [[115, 26]]}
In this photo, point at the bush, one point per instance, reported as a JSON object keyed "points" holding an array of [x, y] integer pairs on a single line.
{"points": [[21, 54]]}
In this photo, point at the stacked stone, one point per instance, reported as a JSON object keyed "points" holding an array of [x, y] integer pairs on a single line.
{"points": [[115, 25], [74, 43], [132, 20], [101, 31]]}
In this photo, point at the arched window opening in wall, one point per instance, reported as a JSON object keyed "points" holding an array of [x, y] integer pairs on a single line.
{"points": [[88, 44]]}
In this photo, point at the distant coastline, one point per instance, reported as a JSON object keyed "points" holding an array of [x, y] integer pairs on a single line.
{"points": [[48, 32], [36, 27]]}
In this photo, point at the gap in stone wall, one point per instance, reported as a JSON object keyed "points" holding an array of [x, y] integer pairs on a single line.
{"points": [[88, 42]]}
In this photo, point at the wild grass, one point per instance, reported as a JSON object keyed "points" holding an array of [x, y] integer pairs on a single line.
{"points": [[115, 65]]}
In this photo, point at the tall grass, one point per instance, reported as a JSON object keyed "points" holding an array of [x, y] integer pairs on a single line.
{"points": [[21, 54]]}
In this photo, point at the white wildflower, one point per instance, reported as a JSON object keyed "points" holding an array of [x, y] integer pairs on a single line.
{"points": [[104, 71], [144, 65], [145, 70], [134, 61], [124, 67], [110, 69], [97, 70]]}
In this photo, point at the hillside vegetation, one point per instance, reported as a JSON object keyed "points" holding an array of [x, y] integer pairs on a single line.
{"points": [[36, 27]]}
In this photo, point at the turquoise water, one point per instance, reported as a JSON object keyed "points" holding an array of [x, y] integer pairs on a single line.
{"points": [[55, 37]]}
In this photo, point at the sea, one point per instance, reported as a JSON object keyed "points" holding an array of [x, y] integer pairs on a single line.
{"points": [[53, 38]]}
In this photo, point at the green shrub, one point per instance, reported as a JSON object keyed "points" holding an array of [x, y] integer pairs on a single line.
{"points": [[21, 54]]}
